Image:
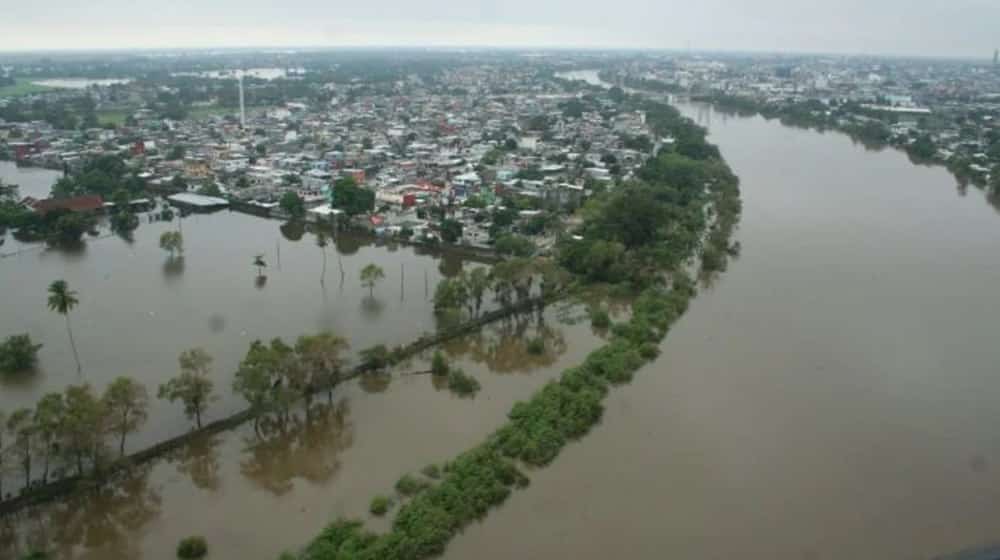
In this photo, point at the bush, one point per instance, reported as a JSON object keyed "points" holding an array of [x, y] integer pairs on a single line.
{"points": [[536, 346], [18, 353], [439, 365], [462, 384], [649, 351], [376, 358], [380, 505], [431, 471], [192, 548], [410, 485], [599, 318]]}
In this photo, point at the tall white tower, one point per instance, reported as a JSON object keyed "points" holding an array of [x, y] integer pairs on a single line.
{"points": [[243, 110]]}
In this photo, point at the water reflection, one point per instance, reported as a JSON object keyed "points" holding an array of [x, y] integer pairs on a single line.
{"points": [[450, 265], [371, 307], [104, 522], [199, 460], [375, 382], [504, 346], [304, 445], [293, 231], [348, 244], [173, 267]]}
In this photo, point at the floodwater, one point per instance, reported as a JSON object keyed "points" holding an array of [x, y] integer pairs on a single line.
{"points": [[139, 309], [256, 495], [833, 395], [35, 182], [80, 83]]}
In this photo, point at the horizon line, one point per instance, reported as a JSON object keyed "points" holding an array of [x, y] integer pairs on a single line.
{"points": [[486, 47]]}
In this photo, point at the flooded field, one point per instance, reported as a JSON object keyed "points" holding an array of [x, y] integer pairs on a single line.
{"points": [[253, 496], [139, 308]]}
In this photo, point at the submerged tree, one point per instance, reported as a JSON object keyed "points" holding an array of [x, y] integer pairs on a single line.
{"points": [[172, 242], [49, 414], [62, 300], [260, 263], [477, 282], [322, 356], [371, 275], [21, 427], [127, 404], [81, 434], [192, 387], [322, 242], [18, 353]]}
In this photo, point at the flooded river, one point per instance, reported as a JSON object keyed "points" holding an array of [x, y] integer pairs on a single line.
{"points": [[833, 396]]}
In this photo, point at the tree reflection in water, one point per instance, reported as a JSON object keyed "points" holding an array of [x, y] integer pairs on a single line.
{"points": [[173, 267], [503, 346], [199, 460], [306, 446], [377, 382], [98, 524], [293, 230]]}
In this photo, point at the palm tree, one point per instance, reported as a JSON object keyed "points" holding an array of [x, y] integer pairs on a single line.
{"points": [[259, 262], [62, 300], [322, 242]]}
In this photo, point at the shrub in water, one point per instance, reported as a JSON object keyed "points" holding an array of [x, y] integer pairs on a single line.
{"points": [[536, 346], [462, 384], [192, 548], [439, 365], [599, 318], [432, 471], [410, 485], [380, 505]]}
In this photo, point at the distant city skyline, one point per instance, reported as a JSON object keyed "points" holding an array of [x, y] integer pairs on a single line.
{"points": [[960, 28]]}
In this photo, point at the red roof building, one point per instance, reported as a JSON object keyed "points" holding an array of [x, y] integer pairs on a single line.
{"points": [[86, 203]]}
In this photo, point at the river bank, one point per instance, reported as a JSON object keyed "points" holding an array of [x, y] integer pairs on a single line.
{"points": [[873, 133], [829, 396]]}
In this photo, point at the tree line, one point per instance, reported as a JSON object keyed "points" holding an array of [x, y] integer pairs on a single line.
{"points": [[79, 431]]}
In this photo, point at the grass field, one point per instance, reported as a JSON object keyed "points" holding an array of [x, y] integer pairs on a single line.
{"points": [[116, 118], [22, 88]]}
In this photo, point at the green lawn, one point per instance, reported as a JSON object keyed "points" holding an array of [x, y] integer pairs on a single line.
{"points": [[116, 118], [23, 88]]}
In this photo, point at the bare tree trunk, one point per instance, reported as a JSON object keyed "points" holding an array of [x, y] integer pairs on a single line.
{"points": [[322, 276], [27, 469], [45, 469], [72, 344]]}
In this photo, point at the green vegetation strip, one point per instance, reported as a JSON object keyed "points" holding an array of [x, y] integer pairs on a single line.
{"points": [[21, 88], [483, 477]]}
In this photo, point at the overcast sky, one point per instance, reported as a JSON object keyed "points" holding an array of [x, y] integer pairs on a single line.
{"points": [[906, 27]]}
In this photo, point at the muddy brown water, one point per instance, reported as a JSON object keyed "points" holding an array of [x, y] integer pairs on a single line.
{"points": [[834, 395], [254, 495]]}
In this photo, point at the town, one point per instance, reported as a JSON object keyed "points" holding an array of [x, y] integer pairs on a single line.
{"points": [[939, 111], [481, 155]]}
